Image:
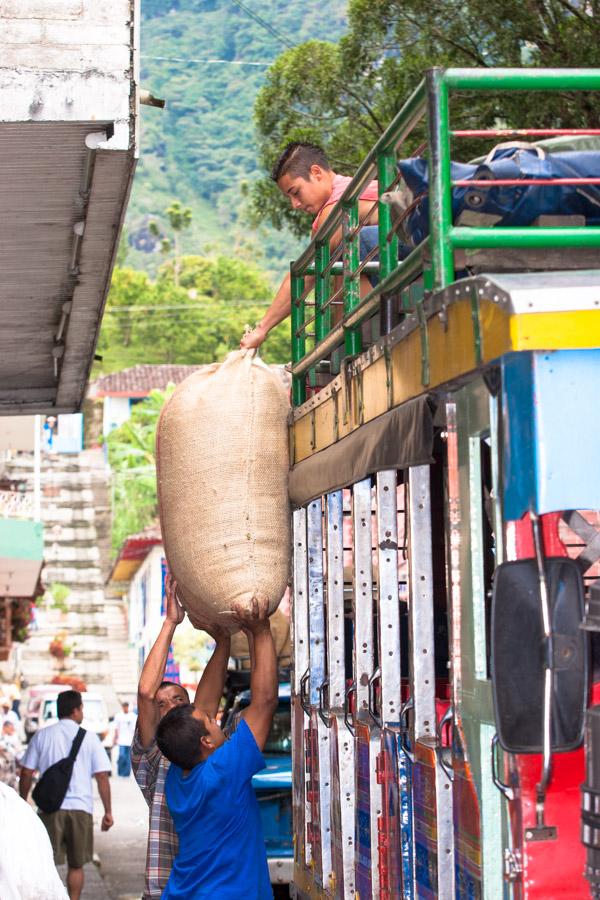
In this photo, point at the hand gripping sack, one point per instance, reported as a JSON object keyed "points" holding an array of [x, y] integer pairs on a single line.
{"points": [[222, 472]]}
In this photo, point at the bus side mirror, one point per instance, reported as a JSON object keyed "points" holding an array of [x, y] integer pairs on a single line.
{"points": [[520, 655]]}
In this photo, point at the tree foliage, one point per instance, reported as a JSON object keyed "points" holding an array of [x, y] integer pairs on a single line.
{"points": [[198, 321], [131, 455], [344, 95]]}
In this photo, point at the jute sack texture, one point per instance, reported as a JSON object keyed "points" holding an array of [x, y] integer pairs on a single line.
{"points": [[222, 472]]}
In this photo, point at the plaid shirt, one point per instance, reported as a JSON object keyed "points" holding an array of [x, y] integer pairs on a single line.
{"points": [[150, 769]]}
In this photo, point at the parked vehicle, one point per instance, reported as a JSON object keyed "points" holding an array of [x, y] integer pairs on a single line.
{"points": [[273, 787], [95, 714], [37, 694], [444, 451]]}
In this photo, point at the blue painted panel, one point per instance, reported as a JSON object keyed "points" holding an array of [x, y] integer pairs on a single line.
{"points": [[551, 424]]}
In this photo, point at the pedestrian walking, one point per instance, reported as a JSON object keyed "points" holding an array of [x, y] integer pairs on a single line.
{"points": [[124, 730], [70, 827]]}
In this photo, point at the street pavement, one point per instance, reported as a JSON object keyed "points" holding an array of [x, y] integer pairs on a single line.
{"points": [[121, 852]]}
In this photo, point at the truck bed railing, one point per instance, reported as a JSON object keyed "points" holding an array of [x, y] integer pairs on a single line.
{"points": [[317, 330]]}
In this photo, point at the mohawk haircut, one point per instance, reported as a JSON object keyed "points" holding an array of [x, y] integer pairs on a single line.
{"points": [[296, 160]]}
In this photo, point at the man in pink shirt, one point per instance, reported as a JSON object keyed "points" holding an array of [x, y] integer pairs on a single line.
{"points": [[303, 174]]}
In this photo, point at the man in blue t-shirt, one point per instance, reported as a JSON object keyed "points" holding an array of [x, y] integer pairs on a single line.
{"points": [[209, 785]]}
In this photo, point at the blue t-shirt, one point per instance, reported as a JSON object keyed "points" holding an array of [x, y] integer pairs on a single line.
{"points": [[221, 847]]}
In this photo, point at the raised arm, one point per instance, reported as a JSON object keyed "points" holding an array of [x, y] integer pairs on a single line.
{"points": [[210, 689], [263, 677], [279, 309], [154, 667]]}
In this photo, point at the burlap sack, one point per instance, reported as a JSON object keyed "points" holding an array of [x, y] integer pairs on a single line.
{"points": [[222, 469]]}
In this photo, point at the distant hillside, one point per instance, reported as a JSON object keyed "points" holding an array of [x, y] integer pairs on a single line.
{"points": [[200, 148]]}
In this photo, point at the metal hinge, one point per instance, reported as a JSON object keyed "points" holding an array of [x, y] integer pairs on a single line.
{"points": [[513, 867]]}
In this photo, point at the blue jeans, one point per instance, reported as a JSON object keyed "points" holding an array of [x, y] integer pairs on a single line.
{"points": [[124, 761]]}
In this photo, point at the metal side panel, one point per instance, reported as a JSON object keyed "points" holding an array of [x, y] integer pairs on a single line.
{"points": [[316, 610], [302, 854], [335, 601], [299, 617], [343, 804], [433, 827], [363, 597], [421, 603], [313, 796], [388, 598], [323, 736]]}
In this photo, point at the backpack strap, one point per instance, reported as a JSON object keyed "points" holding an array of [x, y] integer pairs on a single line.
{"points": [[78, 740]]}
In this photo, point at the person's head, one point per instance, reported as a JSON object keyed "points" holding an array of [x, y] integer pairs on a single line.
{"points": [[125, 706], [6, 704], [8, 728], [303, 174], [69, 705], [187, 736], [170, 694]]}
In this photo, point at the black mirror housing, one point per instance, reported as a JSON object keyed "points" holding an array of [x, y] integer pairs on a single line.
{"points": [[520, 655]]}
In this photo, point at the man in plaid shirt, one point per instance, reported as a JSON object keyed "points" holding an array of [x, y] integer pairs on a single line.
{"points": [[155, 698]]}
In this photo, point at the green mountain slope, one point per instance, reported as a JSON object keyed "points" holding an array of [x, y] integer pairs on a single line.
{"points": [[200, 149]]}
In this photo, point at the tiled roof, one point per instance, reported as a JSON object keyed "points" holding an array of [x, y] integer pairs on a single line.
{"points": [[138, 381]]}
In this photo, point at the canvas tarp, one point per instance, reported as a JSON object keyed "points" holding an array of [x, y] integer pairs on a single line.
{"points": [[398, 439]]}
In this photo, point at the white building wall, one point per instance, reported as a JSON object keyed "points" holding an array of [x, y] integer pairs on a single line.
{"points": [[69, 61], [116, 411], [145, 598]]}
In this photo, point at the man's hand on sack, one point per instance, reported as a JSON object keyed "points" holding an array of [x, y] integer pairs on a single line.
{"points": [[175, 611], [217, 632], [253, 339], [252, 618], [107, 822]]}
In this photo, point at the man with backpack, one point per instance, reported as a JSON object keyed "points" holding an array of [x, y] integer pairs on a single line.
{"points": [[67, 757]]}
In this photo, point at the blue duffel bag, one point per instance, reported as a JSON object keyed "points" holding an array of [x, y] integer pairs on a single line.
{"points": [[515, 205]]}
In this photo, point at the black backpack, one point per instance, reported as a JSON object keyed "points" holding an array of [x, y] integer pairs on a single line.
{"points": [[50, 790]]}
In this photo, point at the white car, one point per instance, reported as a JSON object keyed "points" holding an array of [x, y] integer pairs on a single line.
{"points": [[95, 714]]}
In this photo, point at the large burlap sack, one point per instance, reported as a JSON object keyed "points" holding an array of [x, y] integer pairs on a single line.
{"points": [[222, 470]]}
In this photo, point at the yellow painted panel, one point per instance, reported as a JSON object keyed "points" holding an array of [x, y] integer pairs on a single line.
{"points": [[556, 331], [406, 368], [302, 437], [495, 330], [325, 424], [451, 349], [374, 390]]}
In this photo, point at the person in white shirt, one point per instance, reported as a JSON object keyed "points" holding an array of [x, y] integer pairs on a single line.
{"points": [[124, 731], [8, 713], [27, 871], [70, 828]]}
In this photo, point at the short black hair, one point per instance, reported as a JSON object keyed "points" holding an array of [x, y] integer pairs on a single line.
{"points": [[170, 684], [178, 736], [297, 158], [66, 702]]}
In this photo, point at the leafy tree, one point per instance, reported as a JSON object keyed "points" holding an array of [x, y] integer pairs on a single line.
{"points": [[180, 219], [345, 95], [199, 321], [131, 455]]}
